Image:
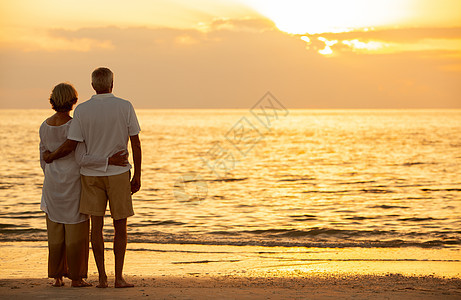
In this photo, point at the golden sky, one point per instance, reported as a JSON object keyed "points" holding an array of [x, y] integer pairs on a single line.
{"points": [[228, 53]]}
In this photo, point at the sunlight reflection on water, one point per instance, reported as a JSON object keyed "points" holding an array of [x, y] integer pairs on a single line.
{"points": [[323, 177]]}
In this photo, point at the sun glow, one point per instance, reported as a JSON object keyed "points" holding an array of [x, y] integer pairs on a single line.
{"points": [[327, 50], [356, 44], [307, 16]]}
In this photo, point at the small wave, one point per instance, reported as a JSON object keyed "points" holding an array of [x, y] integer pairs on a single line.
{"points": [[204, 261], [35, 212], [20, 231], [316, 231], [409, 164], [8, 226], [14, 177], [230, 233], [264, 231], [150, 190], [148, 200], [442, 190], [303, 217], [215, 180], [4, 186], [318, 243], [370, 190], [298, 179], [244, 206], [416, 219], [376, 191], [227, 179], [316, 237], [358, 218], [327, 191], [21, 217], [384, 206], [359, 182], [156, 223]]}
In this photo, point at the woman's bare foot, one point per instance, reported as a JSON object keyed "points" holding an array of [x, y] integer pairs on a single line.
{"points": [[80, 283], [102, 282], [121, 283], [58, 282]]}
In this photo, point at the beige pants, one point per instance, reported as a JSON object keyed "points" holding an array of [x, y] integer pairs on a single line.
{"points": [[68, 249]]}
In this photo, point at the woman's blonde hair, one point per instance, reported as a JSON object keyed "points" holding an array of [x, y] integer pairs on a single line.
{"points": [[63, 97]]}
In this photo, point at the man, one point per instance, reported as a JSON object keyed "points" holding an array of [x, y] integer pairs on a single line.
{"points": [[105, 123]]}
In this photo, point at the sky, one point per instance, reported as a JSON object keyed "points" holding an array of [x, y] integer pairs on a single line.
{"points": [[229, 53]]}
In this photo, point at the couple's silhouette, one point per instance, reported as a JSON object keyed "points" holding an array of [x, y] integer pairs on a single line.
{"points": [[85, 163]]}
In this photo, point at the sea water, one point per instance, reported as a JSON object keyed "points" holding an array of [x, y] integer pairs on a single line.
{"points": [[316, 178]]}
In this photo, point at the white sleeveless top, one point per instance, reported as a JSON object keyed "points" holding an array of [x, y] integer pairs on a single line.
{"points": [[61, 186]]}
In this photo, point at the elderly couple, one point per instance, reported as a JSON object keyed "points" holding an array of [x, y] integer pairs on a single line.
{"points": [[85, 163]]}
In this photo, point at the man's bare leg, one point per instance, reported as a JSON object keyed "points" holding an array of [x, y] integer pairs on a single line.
{"points": [[120, 241], [97, 243]]}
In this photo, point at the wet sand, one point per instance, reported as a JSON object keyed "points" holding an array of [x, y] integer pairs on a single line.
{"points": [[231, 287], [169, 271]]}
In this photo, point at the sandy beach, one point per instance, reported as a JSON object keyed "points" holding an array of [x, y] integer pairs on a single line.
{"points": [[231, 287], [171, 271]]}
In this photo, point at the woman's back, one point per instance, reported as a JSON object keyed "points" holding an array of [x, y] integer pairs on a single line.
{"points": [[61, 186]]}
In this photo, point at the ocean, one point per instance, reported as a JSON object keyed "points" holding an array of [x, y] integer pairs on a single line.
{"points": [[313, 178]]}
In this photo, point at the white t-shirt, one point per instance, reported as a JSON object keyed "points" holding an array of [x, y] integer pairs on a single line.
{"points": [[105, 124]]}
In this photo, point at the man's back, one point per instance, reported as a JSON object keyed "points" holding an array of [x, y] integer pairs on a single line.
{"points": [[104, 123]]}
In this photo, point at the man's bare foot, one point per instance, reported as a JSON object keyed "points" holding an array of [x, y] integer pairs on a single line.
{"points": [[121, 283], [58, 282], [102, 282], [80, 283]]}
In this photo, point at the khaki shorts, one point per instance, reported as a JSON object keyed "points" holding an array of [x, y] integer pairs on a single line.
{"points": [[96, 190]]}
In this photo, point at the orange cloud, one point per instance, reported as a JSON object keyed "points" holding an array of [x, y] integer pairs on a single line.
{"points": [[230, 65], [382, 41], [403, 35]]}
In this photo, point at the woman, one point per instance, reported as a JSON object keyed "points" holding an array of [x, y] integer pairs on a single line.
{"points": [[68, 230]]}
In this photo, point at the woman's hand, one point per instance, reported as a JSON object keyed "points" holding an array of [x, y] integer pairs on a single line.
{"points": [[47, 157], [119, 159]]}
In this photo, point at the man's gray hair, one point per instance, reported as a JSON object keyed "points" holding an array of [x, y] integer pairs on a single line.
{"points": [[102, 79]]}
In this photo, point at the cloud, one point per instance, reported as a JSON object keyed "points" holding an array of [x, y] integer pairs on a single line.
{"points": [[382, 41], [152, 37], [245, 24], [396, 35], [230, 64]]}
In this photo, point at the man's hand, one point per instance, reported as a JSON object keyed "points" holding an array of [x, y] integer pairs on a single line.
{"points": [[65, 149], [119, 159], [135, 184], [47, 157]]}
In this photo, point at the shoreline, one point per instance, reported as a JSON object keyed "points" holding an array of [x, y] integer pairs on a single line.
{"points": [[29, 260], [244, 272]]}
